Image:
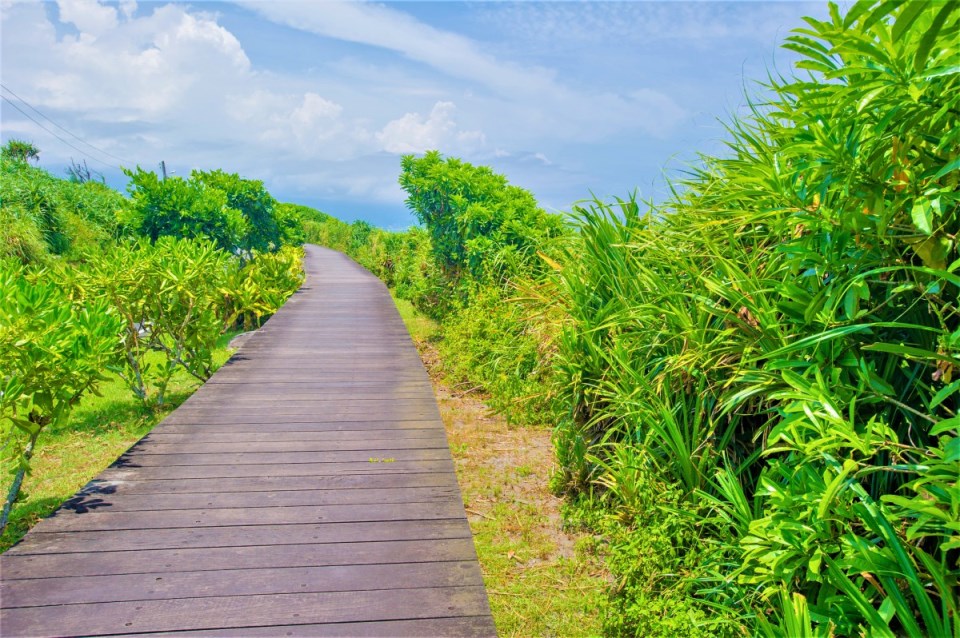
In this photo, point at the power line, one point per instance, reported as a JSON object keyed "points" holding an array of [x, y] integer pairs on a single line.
{"points": [[79, 150], [65, 130], [68, 132]]}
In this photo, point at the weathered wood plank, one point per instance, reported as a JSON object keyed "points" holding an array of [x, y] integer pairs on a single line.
{"points": [[40, 592], [372, 456], [459, 627], [40, 542], [96, 515], [183, 472], [125, 482], [119, 501], [102, 563], [244, 425], [218, 612], [202, 436]]}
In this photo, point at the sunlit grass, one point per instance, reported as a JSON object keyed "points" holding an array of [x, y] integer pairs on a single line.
{"points": [[541, 580]]}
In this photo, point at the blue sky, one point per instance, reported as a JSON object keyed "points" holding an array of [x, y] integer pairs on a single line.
{"points": [[321, 99]]}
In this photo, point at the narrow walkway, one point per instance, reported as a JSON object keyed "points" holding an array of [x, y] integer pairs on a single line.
{"points": [[306, 490]]}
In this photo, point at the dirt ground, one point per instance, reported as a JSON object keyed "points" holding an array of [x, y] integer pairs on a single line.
{"points": [[542, 580]]}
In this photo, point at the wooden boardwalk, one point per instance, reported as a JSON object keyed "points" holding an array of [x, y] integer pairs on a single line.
{"points": [[306, 489]]}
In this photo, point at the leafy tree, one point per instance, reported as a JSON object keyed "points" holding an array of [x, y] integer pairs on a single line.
{"points": [[254, 203], [290, 224], [480, 225], [52, 351], [20, 151], [175, 207], [170, 297]]}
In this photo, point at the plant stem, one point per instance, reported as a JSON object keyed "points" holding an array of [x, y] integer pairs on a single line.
{"points": [[17, 482]]}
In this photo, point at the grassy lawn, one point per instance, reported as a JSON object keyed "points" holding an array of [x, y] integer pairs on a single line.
{"points": [[100, 429], [542, 580]]}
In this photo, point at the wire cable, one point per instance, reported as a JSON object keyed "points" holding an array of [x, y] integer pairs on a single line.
{"points": [[65, 130], [79, 150]]}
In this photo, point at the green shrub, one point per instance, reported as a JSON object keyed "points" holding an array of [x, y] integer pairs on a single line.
{"points": [[170, 296], [183, 209], [780, 339], [42, 216], [260, 288], [52, 351], [482, 229]]}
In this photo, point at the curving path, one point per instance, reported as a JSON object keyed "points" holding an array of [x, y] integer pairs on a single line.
{"points": [[306, 489]]}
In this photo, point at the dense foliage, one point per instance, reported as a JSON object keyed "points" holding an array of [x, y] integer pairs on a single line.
{"points": [[238, 214], [43, 217], [482, 229], [53, 351], [780, 341], [756, 381]]}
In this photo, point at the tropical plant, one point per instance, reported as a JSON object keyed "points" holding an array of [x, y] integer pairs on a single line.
{"points": [[482, 229], [183, 209], [52, 351], [170, 297], [780, 338], [20, 151], [256, 291]]}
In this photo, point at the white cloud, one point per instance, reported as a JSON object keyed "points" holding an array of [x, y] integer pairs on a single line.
{"points": [[89, 16], [381, 26], [315, 108], [524, 101], [414, 133], [171, 81]]}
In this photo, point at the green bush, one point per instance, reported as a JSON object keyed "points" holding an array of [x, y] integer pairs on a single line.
{"points": [[260, 288], [52, 351], [42, 216], [183, 209], [780, 340], [482, 229], [170, 296]]}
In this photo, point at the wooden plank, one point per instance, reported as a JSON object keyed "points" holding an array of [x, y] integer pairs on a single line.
{"points": [[102, 563], [316, 449], [320, 402], [244, 394], [242, 425], [40, 592], [371, 456], [320, 421], [219, 612], [94, 517], [40, 542], [424, 409], [322, 448], [122, 471], [126, 482], [202, 436], [119, 501], [461, 626]]}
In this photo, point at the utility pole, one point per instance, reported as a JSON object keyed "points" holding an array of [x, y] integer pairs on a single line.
{"points": [[163, 169]]}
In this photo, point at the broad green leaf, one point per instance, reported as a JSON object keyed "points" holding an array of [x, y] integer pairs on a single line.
{"points": [[922, 215], [930, 36]]}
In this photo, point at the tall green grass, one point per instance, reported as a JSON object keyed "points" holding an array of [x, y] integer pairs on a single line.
{"points": [[781, 339]]}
